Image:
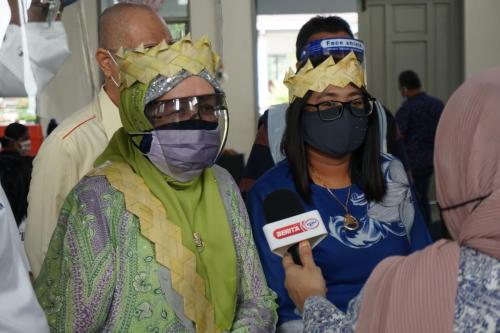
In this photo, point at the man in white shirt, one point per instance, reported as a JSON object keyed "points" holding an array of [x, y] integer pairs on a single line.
{"points": [[19, 308], [71, 149]]}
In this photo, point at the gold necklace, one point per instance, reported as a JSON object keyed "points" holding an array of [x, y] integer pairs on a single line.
{"points": [[350, 222]]}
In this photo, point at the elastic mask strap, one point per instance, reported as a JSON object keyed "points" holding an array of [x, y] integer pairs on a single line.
{"points": [[111, 76], [479, 201], [145, 145]]}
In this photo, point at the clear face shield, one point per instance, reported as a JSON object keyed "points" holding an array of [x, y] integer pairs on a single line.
{"points": [[188, 135], [189, 117], [338, 48]]}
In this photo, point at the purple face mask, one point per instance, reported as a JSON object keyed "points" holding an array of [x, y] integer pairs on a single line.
{"points": [[184, 154]]}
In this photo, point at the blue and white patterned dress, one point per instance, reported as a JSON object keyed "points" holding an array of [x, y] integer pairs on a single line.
{"points": [[477, 304], [393, 226]]}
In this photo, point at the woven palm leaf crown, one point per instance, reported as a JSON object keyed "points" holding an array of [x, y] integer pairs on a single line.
{"points": [[347, 70], [144, 64]]}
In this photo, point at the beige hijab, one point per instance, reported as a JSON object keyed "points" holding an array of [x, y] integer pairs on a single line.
{"points": [[417, 293]]}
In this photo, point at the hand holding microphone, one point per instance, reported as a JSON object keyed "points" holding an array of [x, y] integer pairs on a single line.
{"points": [[288, 223], [303, 281]]}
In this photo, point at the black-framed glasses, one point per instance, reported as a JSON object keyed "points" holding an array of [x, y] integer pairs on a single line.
{"points": [[205, 107], [332, 110]]}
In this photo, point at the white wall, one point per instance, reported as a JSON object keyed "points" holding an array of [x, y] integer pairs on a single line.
{"points": [[482, 37], [230, 24]]}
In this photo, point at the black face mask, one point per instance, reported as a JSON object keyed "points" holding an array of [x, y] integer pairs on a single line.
{"points": [[338, 137]]}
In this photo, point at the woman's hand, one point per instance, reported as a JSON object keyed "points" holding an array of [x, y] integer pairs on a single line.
{"points": [[303, 281]]}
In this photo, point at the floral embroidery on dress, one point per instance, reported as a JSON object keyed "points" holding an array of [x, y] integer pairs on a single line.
{"points": [[143, 311], [141, 283], [55, 304]]}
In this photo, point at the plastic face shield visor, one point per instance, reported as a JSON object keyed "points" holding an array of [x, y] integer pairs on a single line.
{"points": [[205, 112], [205, 108], [338, 48]]}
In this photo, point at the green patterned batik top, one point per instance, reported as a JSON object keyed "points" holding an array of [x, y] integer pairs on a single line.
{"points": [[100, 273]]}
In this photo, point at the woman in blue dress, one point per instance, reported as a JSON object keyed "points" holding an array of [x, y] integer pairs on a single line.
{"points": [[334, 164]]}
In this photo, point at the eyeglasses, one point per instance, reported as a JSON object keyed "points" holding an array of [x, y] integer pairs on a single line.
{"points": [[332, 110], [205, 107]]}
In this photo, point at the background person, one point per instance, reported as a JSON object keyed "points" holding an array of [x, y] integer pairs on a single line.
{"points": [[72, 148], [418, 119], [15, 168]]}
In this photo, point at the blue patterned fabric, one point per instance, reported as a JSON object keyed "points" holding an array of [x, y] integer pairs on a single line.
{"points": [[477, 304], [478, 295], [393, 226]]}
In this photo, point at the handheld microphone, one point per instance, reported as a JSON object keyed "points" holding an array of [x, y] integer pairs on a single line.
{"points": [[287, 224]]}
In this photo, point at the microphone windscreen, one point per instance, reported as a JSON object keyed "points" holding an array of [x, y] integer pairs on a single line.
{"points": [[282, 204]]}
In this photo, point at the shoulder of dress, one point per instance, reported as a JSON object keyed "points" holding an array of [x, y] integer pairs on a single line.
{"points": [[472, 260], [114, 171], [223, 176], [279, 172], [122, 178], [391, 161], [278, 177], [386, 157], [88, 189]]}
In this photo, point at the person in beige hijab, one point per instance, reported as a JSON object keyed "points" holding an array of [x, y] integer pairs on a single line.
{"points": [[452, 285]]}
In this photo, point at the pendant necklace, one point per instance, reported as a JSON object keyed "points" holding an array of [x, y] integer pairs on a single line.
{"points": [[350, 222], [198, 242]]}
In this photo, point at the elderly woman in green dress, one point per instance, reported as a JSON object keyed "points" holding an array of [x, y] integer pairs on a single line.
{"points": [[156, 238]]}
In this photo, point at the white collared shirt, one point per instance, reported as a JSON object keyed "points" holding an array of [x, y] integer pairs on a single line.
{"points": [[67, 155]]}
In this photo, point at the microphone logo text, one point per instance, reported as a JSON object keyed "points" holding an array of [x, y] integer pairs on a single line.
{"points": [[296, 228]]}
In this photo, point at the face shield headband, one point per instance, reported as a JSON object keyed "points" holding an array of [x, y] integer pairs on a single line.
{"points": [[336, 47]]}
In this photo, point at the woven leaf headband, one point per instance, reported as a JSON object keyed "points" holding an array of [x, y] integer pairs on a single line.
{"points": [[144, 64], [346, 71]]}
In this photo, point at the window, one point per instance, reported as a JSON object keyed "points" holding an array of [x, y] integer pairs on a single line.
{"points": [[277, 65]]}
